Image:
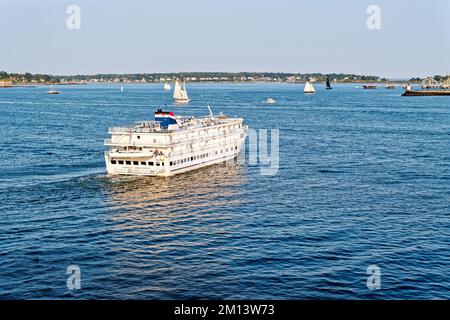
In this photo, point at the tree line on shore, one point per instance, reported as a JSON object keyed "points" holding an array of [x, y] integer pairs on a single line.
{"points": [[198, 77], [188, 76]]}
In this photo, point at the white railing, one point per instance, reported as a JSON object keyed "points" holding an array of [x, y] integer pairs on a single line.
{"points": [[119, 129], [127, 142], [207, 148], [137, 130], [203, 137], [156, 128]]}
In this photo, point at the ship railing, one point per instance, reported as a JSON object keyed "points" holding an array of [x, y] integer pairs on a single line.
{"points": [[119, 129], [207, 148], [202, 137], [138, 130], [126, 142], [228, 135], [150, 127]]}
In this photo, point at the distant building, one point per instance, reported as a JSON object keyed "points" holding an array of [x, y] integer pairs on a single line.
{"points": [[429, 83], [446, 83], [4, 83]]}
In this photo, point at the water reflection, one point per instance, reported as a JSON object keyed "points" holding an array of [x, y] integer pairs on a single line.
{"points": [[205, 192], [166, 234]]}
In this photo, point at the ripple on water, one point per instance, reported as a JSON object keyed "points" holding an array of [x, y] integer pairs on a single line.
{"points": [[363, 179]]}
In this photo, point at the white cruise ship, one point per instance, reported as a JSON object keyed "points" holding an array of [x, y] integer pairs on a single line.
{"points": [[170, 145]]}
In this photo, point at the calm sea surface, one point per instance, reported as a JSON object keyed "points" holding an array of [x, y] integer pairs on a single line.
{"points": [[364, 178]]}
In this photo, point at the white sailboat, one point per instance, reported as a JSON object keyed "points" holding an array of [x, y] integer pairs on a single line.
{"points": [[53, 90], [167, 86], [179, 92], [308, 87], [121, 88]]}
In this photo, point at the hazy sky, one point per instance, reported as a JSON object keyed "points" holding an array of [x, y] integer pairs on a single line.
{"points": [[226, 35]]}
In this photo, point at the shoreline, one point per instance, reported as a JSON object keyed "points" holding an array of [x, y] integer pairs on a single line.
{"points": [[378, 84]]}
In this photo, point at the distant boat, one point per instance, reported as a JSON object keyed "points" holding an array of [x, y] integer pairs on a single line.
{"points": [[389, 86], [179, 92], [369, 86], [270, 100], [328, 84], [308, 88], [53, 90], [121, 88], [167, 86]]}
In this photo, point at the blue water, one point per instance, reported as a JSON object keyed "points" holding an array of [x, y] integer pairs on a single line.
{"points": [[364, 179]]}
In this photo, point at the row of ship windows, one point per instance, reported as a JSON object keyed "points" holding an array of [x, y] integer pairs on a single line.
{"points": [[172, 163], [202, 156], [136, 163]]}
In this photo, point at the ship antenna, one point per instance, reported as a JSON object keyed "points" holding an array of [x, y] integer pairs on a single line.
{"points": [[210, 111]]}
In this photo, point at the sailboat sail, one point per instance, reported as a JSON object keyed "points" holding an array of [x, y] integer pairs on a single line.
{"points": [[166, 86], [328, 83], [309, 87], [179, 92], [184, 92]]}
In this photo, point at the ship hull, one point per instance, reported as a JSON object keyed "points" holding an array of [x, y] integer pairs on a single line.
{"points": [[135, 167], [181, 100]]}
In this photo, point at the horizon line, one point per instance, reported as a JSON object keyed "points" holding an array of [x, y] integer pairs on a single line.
{"points": [[225, 72]]}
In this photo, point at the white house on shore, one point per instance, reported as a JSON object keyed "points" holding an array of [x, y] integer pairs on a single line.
{"points": [[5, 83]]}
